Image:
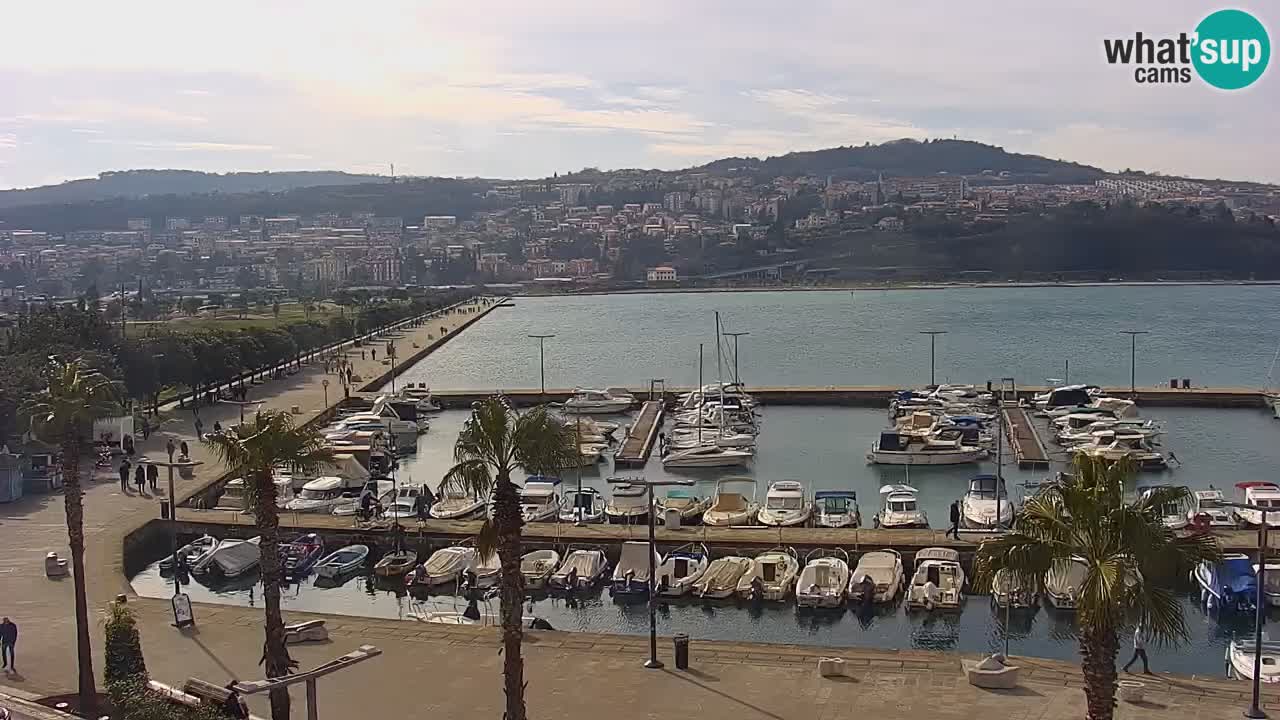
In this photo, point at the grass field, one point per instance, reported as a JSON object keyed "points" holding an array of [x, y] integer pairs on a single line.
{"points": [[228, 318]]}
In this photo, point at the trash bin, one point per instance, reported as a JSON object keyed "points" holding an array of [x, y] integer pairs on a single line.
{"points": [[681, 642], [164, 510], [671, 520]]}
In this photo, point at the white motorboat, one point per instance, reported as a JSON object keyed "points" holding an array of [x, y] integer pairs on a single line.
{"points": [[880, 573], [944, 448], [235, 494], [1172, 514], [608, 401], [690, 506], [1113, 446], [1207, 508], [445, 566], [395, 563], [540, 499], [900, 509], [772, 576], [536, 568], [631, 574], [487, 569], [629, 505], [836, 508], [1271, 585], [1067, 396], [584, 566], [986, 505], [706, 456], [191, 554], [421, 397], [681, 568], [1260, 494], [589, 454], [231, 558], [382, 491], [684, 438], [322, 495], [824, 580], [732, 508], [457, 506], [1241, 659], [585, 505], [1063, 582], [1006, 588], [721, 578], [785, 505], [346, 560], [938, 582]]}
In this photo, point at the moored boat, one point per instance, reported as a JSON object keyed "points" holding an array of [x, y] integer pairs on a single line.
{"points": [[681, 568], [824, 581], [536, 567], [732, 509], [445, 566], [581, 569], [298, 557], [785, 505], [772, 575], [879, 573], [346, 560], [190, 554], [631, 573], [836, 508], [231, 558], [721, 578], [395, 563], [938, 581], [901, 509]]}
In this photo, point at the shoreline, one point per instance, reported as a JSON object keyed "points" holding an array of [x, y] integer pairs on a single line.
{"points": [[863, 287]]}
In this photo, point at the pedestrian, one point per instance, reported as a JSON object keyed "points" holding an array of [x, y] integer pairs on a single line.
{"points": [[373, 354], [955, 521], [124, 475], [362, 354], [199, 429], [8, 639], [186, 454], [146, 428], [170, 448], [153, 475], [217, 427], [140, 478], [128, 445], [1139, 651]]}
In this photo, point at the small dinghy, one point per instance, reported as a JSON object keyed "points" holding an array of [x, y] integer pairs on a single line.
{"points": [[395, 563], [298, 557], [192, 553], [457, 507], [681, 568], [445, 566], [347, 560], [1241, 658], [824, 579], [631, 574], [772, 576], [536, 568], [585, 506], [231, 558], [721, 578], [581, 569]]}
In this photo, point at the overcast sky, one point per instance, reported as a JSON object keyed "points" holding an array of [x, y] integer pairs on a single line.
{"points": [[509, 88]]}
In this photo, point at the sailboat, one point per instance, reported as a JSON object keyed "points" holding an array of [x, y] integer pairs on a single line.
{"points": [[1270, 394], [709, 452]]}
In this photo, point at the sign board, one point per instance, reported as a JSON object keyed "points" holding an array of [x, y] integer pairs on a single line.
{"points": [[182, 615]]}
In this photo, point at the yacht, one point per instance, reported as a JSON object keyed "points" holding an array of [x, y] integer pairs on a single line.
{"points": [[900, 509], [690, 506], [585, 505], [458, 506], [1260, 494], [785, 505], [322, 495], [938, 582], [824, 580], [732, 509], [629, 505], [721, 577], [1112, 446], [944, 448], [986, 505], [1172, 514], [1207, 504], [836, 508], [421, 398], [772, 576], [599, 401], [706, 456], [879, 573], [540, 499], [681, 568], [1006, 589]]}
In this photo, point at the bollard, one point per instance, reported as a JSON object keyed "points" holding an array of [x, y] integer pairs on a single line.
{"points": [[681, 642], [164, 511]]}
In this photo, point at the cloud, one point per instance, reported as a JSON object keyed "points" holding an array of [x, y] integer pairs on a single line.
{"points": [[795, 101], [185, 145], [8, 141], [195, 93]]}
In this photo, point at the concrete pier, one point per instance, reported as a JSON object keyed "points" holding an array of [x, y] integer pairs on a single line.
{"points": [[635, 449], [1028, 448]]}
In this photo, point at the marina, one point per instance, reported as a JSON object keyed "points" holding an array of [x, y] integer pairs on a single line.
{"points": [[1028, 448], [641, 436]]}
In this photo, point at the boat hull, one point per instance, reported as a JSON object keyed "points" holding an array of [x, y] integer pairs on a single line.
{"points": [[894, 457]]}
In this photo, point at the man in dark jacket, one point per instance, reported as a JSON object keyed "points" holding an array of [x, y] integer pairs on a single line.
{"points": [[124, 475], [954, 531], [8, 639], [153, 475]]}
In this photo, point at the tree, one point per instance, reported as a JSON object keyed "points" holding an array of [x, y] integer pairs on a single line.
{"points": [[190, 305], [496, 441], [268, 440], [242, 304], [73, 398], [1131, 561]]}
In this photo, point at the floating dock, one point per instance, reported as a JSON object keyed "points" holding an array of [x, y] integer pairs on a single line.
{"points": [[1025, 439], [635, 449]]}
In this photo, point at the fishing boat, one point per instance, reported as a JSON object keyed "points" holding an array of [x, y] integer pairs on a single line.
{"points": [[584, 566], [1006, 588], [1173, 515], [880, 573], [943, 448], [681, 568], [732, 509], [347, 560], [445, 566], [824, 581], [1241, 659], [938, 582], [629, 504], [298, 557], [536, 568], [191, 554], [1229, 584], [706, 456], [613, 400], [1063, 582], [540, 499], [1259, 494], [690, 506], [986, 504], [1207, 509], [721, 578], [631, 574], [231, 558], [458, 506], [785, 505], [837, 508], [772, 575], [585, 505], [395, 563], [900, 509]]}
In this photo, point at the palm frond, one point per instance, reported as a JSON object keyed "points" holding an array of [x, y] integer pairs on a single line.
{"points": [[487, 540]]}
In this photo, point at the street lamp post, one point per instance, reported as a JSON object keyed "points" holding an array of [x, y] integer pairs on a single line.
{"points": [[542, 367], [325, 384], [173, 516], [652, 663], [933, 338], [735, 336], [1255, 711], [1133, 357]]}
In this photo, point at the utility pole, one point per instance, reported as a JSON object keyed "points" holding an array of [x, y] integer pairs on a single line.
{"points": [[1133, 357], [933, 337], [542, 367]]}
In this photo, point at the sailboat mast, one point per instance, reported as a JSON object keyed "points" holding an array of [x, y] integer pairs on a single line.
{"points": [[702, 399], [1267, 389], [719, 376]]}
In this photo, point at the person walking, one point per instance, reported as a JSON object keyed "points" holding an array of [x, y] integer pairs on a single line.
{"points": [[124, 475], [8, 640], [140, 478], [373, 354], [954, 530], [170, 448], [1139, 651], [199, 429], [153, 476]]}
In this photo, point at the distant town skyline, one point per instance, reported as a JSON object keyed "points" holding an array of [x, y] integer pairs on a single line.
{"points": [[512, 90]]}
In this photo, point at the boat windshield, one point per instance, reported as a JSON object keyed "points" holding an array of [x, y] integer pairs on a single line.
{"points": [[835, 505], [1267, 502], [319, 494], [902, 506], [785, 503], [535, 499]]}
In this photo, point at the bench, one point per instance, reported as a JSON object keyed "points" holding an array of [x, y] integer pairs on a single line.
{"points": [[210, 693], [187, 699], [309, 631]]}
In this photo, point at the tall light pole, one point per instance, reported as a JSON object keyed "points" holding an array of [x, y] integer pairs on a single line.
{"points": [[542, 366], [735, 336], [1133, 357], [653, 662], [1255, 711], [173, 516], [933, 338]]}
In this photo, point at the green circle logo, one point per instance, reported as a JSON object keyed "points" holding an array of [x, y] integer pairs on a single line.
{"points": [[1232, 49]]}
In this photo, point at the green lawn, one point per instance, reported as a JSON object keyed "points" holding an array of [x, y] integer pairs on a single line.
{"points": [[228, 318]]}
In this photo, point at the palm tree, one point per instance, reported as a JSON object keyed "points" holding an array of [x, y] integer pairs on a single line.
{"points": [[74, 397], [254, 449], [1132, 562], [496, 441]]}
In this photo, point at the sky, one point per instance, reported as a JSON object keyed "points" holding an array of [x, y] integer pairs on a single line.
{"points": [[509, 89]]}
